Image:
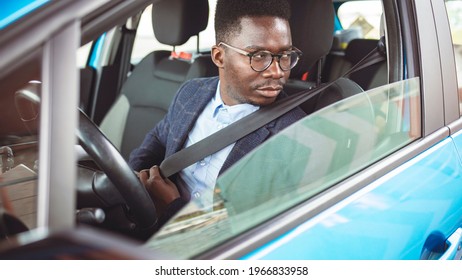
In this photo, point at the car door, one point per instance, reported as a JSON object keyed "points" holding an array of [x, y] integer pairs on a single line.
{"points": [[410, 211], [374, 176]]}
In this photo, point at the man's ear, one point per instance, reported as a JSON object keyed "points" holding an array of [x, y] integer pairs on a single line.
{"points": [[217, 56]]}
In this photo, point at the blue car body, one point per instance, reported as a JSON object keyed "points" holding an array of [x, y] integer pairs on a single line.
{"points": [[379, 222], [14, 10]]}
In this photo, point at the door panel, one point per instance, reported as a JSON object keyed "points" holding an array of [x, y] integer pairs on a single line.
{"points": [[389, 219]]}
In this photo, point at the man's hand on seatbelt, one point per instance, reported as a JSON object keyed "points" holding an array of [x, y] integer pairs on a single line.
{"points": [[162, 191]]}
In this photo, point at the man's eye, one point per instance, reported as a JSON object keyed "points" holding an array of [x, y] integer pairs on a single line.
{"points": [[260, 55]]}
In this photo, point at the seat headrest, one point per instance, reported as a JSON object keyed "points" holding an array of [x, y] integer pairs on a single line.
{"points": [[343, 37], [312, 26], [175, 21], [357, 49]]}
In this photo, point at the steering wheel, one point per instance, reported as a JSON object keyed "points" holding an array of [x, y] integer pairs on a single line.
{"points": [[119, 173]]}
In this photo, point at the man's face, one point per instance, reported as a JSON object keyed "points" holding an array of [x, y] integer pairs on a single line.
{"points": [[239, 82]]}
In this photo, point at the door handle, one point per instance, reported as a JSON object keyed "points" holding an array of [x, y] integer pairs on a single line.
{"points": [[437, 247], [454, 251]]}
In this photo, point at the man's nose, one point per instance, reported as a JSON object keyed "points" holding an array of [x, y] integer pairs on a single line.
{"points": [[275, 70]]}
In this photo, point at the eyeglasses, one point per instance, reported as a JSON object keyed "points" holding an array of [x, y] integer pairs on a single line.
{"points": [[261, 60]]}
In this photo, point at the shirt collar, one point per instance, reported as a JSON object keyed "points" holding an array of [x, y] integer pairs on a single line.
{"points": [[218, 103]]}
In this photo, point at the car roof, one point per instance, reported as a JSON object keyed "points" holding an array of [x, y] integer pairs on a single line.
{"points": [[35, 21], [15, 10]]}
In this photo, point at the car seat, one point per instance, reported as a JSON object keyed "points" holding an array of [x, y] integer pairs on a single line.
{"points": [[369, 77], [148, 91], [312, 25]]}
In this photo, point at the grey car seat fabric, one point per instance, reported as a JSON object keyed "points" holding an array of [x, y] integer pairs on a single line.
{"points": [[148, 91], [370, 77], [312, 25]]}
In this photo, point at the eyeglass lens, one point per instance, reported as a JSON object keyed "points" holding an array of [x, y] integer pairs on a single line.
{"points": [[262, 60]]}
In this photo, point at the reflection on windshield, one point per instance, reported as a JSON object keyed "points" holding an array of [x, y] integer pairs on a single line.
{"points": [[303, 160]]}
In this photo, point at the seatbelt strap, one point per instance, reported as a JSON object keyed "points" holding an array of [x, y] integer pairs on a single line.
{"points": [[235, 131]]}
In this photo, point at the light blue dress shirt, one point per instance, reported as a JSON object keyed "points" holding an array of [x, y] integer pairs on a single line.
{"points": [[201, 176]]}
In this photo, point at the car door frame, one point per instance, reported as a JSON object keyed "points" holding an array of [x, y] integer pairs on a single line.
{"points": [[53, 34]]}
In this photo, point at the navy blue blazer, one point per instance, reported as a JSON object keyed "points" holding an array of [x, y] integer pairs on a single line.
{"points": [[170, 134]]}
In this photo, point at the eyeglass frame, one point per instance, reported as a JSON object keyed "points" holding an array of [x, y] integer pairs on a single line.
{"points": [[251, 54]]}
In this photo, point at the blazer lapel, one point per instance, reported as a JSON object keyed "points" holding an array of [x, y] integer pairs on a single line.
{"points": [[191, 110]]}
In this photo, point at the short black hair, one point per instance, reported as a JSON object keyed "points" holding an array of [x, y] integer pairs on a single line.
{"points": [[229, 13]]}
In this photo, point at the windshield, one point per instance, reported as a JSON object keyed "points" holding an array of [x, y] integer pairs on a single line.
{"points": [[303, 160]]}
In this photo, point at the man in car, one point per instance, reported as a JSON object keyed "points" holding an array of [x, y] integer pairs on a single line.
{"points": [[254, 55]]}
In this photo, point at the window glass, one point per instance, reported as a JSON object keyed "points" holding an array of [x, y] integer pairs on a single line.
{"points": [[145, 42], [303, 160], [19, 128], [362, 17], [454, 10]]}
